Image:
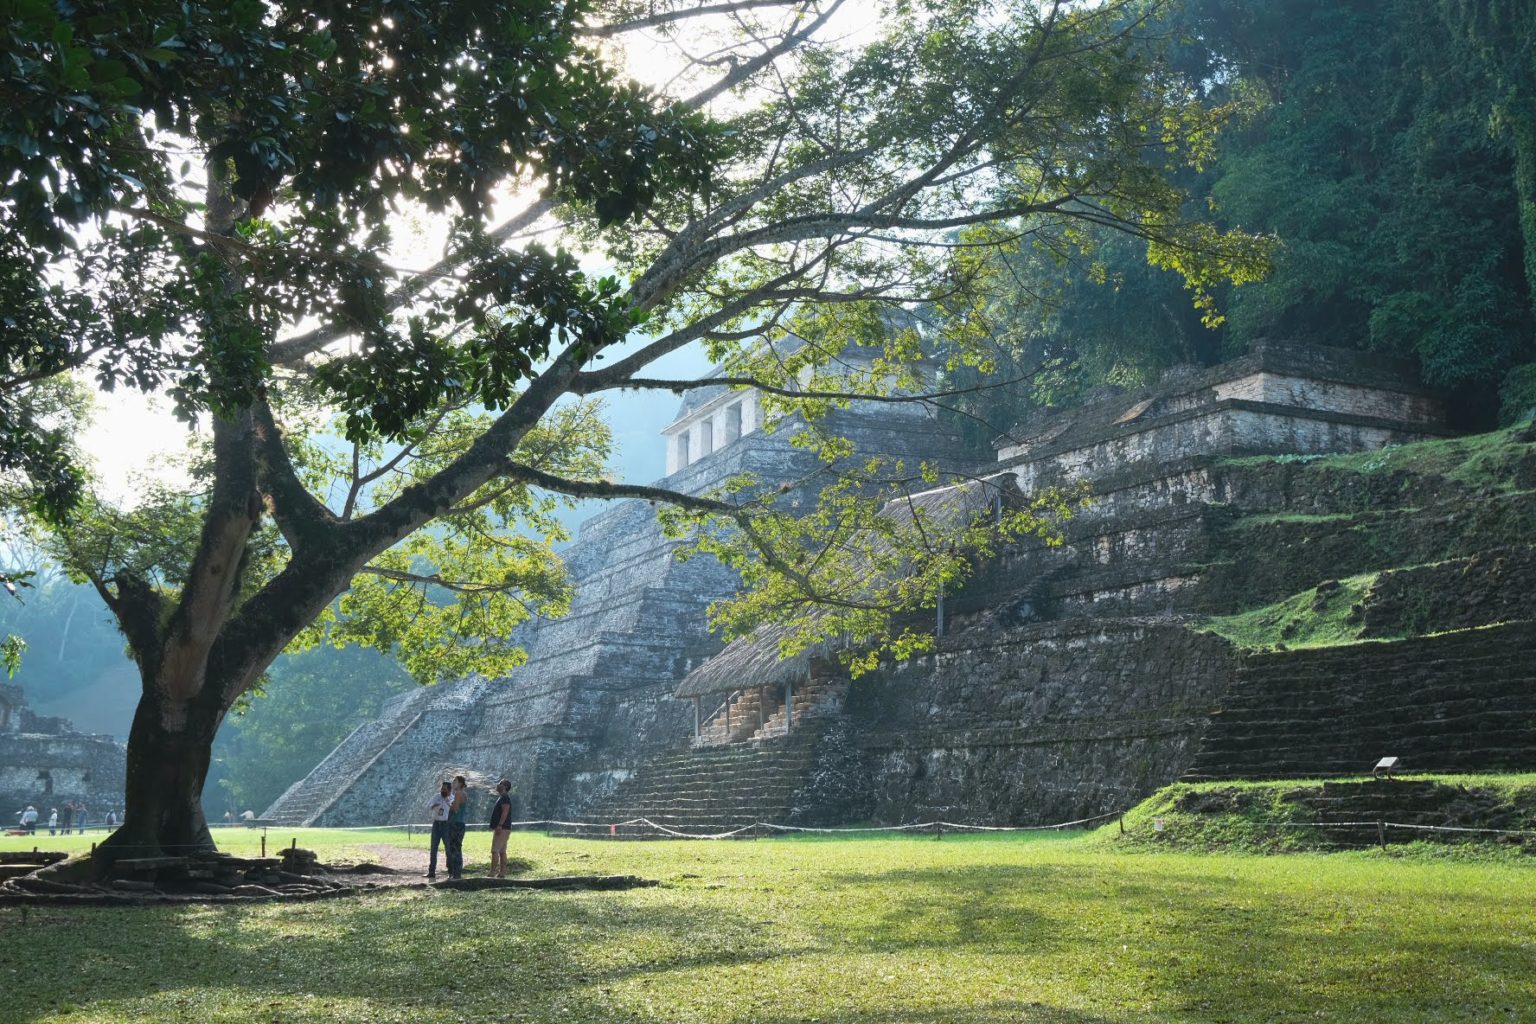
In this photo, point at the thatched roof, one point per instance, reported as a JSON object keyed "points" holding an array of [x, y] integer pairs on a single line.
{"points": [[754, 660]]}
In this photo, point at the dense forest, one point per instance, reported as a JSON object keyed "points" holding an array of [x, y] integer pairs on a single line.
{"points": [[75, 666], [1389, 146]]}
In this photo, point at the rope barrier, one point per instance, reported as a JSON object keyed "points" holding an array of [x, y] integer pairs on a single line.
{"points": [[1455, 828], [924, 826], [938, 826], [536, 823]]}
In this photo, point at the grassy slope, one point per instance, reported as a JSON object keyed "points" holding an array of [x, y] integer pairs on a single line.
{"points": [[1268, 817], [1312, 618], [1319, 616], [1475, 460], [889, 930]]}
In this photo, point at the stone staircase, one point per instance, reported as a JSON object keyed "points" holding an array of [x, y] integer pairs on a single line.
{"points": [[715, 788], [759, 713], [1455, 702], [304, 801]]}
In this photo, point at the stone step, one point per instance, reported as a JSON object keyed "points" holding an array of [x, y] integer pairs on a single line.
{"points": [[1308, 768], [1364, 748], [716, 788], [745, 760]]}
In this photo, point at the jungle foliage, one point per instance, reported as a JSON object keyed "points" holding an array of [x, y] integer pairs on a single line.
{"points": [[1390, 147], [309, 702]]}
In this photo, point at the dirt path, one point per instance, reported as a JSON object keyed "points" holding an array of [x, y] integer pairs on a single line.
{"points": [[410, 865]]}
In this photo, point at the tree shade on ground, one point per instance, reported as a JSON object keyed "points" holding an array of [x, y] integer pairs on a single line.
{"points": [[979, 930]]}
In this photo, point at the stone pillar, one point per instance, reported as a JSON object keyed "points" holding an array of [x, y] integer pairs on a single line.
{"points": [[751, 413], [678, 452]]}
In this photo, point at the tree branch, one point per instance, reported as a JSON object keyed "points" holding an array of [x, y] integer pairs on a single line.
{"points": [[741, 72], [610, 490], [303, 519], [139, 609], [679, 386], [292, 350], [457, 586], [660, 18], [361, 480]]}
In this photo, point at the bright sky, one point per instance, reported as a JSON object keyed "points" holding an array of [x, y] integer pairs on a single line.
{"points": [[133, 433]]}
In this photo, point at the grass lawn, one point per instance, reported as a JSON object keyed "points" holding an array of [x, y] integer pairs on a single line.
{"points": [[891, 930]]}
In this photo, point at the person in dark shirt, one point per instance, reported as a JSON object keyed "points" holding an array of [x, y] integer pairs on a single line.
{"points": [[439, 807], [501, 828], [458, 807]]}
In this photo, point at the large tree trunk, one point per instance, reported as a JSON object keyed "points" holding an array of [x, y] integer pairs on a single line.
{"points": [[169, 749]]}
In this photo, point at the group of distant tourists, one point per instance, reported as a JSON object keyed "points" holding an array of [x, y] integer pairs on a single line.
{"points": [[449, 808], [73, 817]]}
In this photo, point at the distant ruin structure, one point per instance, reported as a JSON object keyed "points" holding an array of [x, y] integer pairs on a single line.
{"points": [[1070, 680], [44, 762], [594, 701]]}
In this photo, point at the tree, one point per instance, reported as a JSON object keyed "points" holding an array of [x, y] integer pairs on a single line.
{"points": [[783, 182], [39, 475], [309, 704], [1387, 163]]}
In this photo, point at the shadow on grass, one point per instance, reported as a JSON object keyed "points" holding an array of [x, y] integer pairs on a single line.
{"points": [[409, 951], [1134, 942], [1004, 1012], [1205, 945]]}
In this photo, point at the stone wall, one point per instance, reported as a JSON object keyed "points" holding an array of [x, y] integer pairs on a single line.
{"points": [[1035, 725], [1231, 426], [1329, 396], [45, 763], [1455, 702], [1074, 679]]}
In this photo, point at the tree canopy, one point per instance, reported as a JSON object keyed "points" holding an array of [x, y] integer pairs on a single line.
{"points": [[1387, 147], [205, 200]]}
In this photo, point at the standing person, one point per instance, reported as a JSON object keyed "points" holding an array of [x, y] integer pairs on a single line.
{"points": [[81, 810], [67, 822], [501, 828], [29, 818], [53, 821], [457, 809], [439, 807]]}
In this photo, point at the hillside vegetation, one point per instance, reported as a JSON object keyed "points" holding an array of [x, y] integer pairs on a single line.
{"points": [[1484, 817], [1382, 545]]}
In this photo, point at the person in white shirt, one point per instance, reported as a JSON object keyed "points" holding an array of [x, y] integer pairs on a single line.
{"points": [[53, 821], [439, 808], [29, 818]]}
